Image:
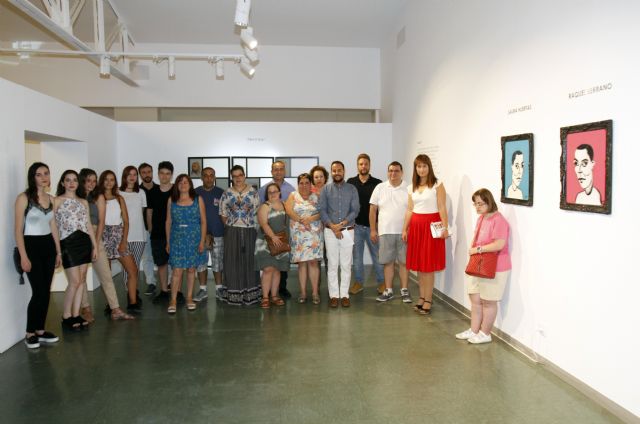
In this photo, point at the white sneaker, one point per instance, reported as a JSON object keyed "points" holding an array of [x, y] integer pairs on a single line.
{"points": [[465, 335], [406, 297], [480, 338]]}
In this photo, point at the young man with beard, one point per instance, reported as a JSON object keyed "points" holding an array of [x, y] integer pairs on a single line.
{"points": [[339, 206], [146, 263], [364, 183]]}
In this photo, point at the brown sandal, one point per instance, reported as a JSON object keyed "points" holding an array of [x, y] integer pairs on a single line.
{"points": [[87, 314], [120, 315], [277, 301], [264, 303]]}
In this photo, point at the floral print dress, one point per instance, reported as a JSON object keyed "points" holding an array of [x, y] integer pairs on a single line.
{"points": [[306, 244]]}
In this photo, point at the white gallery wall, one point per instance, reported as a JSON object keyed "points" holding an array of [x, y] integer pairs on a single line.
{"points": [[153, 142], [449, 88], [287, 77], [21, 110]]}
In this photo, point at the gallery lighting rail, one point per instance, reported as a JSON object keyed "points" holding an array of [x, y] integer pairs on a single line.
{"points": [[108, 57]]}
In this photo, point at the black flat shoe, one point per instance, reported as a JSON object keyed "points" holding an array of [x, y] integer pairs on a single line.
{"points": [[135, 308], [70, 324], [83, 322]]}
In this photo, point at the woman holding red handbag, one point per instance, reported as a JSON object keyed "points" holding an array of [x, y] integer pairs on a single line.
{"points": [[491, 237]]}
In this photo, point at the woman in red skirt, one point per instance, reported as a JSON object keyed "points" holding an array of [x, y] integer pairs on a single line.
{"points": [[427, 204]]}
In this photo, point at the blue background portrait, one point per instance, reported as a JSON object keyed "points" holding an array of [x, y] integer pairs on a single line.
{"points": [[509, 148]]}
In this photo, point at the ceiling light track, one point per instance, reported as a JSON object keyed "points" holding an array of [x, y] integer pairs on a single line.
{"points": [[108, 58], [61, 15]]}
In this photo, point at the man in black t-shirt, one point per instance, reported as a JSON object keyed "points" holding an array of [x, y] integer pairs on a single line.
{"points": [[146, 262], [365, 184], [157, 200]]}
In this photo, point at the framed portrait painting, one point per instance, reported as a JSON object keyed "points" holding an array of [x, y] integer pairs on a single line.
{"points": [[517, 169], [195, 167], [585, 167]]}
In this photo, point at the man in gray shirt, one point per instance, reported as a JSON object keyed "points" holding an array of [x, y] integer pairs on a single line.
{"points": [[339, 205]]}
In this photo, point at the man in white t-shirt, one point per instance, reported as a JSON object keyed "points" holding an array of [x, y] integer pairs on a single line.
{"points": [[386, 216]]}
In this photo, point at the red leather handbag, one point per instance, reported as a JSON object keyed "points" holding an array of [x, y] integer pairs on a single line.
{"points": [[484, 264]]}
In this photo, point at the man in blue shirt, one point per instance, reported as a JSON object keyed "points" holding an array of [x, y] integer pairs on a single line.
{"points": [[339, 205], [278, 171]]}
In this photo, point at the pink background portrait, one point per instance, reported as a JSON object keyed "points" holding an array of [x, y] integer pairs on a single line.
{"points": [[598, 140]]}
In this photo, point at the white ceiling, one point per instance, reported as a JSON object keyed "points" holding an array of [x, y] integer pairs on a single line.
{"points": [[335, 23]]}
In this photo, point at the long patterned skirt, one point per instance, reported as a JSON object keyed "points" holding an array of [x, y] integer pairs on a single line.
{"points": [[242, 282]]}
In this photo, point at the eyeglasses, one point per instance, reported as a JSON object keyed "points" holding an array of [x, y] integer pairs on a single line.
{"points": [[273, 192], [479, 204]]}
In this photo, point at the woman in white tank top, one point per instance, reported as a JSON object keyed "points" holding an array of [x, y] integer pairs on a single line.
{"points": [[427, 205], [39, 246], [136, 201], [115, 233]]}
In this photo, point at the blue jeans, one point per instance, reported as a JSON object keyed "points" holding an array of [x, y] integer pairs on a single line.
{"points": [[362, 236]]}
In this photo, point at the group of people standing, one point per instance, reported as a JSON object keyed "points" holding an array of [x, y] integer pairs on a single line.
{"points": [[248, 236]]}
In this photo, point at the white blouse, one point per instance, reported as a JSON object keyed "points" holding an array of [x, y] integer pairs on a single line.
{"points": [[425, 202], [114, 213], [135, 203]]}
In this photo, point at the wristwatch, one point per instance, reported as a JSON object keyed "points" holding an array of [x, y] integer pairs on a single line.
{"points": [[479, 249]]}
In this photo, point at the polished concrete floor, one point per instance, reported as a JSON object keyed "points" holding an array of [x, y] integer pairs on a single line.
{"points": [[371, 363]]}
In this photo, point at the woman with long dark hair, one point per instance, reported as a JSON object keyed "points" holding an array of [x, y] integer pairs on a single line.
{"points": [[136, 201], [186, 229], [39, 246], [427, 204], [77, 245], [115, 233], [97, 211]]}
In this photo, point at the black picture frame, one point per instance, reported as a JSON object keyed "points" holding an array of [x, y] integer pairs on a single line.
{"points": [[581, 167], [517, 169]]}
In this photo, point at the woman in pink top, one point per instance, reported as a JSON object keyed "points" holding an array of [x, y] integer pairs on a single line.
{"points": [[484, 293]]}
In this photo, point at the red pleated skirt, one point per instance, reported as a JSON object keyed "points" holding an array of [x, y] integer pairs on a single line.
{"points": [[424, 253]]}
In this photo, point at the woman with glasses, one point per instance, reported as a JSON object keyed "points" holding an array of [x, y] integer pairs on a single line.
{"points": [[238, 207], [485, 293], [273, 220]]}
